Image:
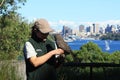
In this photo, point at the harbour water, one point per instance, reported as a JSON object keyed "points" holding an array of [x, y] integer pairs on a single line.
{"points": [[105, 45]]}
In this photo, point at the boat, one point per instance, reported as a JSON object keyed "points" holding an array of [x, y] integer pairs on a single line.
{"points": [[107, 46]]}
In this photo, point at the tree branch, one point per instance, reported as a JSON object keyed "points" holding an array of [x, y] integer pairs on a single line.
{"points": [[1, 3]]}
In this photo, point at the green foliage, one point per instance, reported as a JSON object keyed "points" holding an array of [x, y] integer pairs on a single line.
{"points": [[11, 27], [114, 57], [10, 6], [89, 52], [111, 36], [13, 33], [69, 58]]}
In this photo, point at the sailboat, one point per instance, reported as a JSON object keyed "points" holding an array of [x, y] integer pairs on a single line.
{"points": [[107, 46]]}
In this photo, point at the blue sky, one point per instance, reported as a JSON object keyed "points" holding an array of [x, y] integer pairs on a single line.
{"points": [[72, 12]]}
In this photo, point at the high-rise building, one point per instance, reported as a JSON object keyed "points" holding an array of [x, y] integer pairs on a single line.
{"points": [[113, 28], [66, 31], [81, 28], [95, 28]]}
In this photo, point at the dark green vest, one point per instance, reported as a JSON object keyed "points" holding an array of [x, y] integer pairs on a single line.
{"points": [[46, 71]]}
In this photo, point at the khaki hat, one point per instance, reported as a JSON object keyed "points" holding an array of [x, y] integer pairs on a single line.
{"points": [[43, 26]]}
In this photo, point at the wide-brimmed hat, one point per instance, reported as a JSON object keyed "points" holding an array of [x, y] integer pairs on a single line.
{"points": [[43, 26]]}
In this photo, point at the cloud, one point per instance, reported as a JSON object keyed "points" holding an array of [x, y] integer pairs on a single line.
{"points": [[58, 25], [112, 22], [104, 23], [67, 23], [75, 25]]}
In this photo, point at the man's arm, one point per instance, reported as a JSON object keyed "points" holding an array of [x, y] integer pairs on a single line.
{"points": [[36, 61]]}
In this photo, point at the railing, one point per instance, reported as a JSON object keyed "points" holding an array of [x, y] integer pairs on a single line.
{"points": [[91, 65], [21, 67]]}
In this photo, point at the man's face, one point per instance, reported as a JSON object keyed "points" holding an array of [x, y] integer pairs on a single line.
{"points": [[42, 36]]}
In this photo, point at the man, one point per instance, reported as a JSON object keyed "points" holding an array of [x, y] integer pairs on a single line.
{"points": [[40, 53]]}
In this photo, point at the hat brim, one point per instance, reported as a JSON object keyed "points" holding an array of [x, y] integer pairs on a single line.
{"points": [[46, 30]]}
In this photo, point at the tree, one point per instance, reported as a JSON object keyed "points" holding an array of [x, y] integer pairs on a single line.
{"points": [[13, 30], [12, 36], [90, 52], [8, 6]]}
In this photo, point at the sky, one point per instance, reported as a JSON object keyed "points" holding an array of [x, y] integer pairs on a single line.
{"points": [[72, 13]]}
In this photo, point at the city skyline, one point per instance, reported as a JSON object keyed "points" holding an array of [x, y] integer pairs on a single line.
{"points": [[72, 13]]}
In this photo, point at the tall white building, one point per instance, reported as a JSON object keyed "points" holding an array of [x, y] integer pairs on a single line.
{"points": [[96, 28]]}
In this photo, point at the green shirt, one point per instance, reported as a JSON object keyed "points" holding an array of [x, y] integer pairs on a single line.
{"points": [[45, 71]]}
